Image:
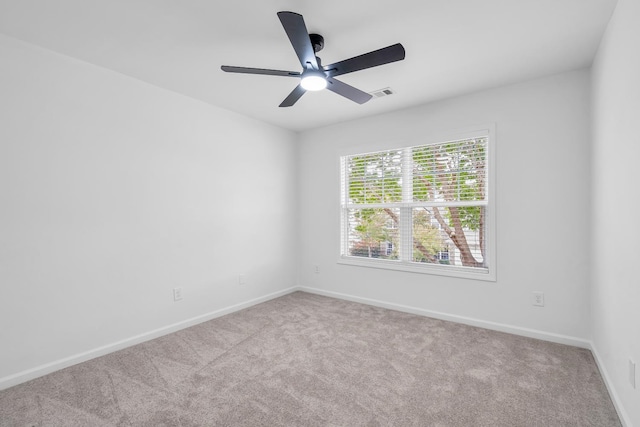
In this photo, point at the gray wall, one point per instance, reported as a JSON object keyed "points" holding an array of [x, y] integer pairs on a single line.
{"points": [[542, 199], [113, 192], [615, 296]]}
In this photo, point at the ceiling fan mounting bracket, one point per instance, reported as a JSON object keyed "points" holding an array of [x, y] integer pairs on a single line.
{"points": [[317, 41]]}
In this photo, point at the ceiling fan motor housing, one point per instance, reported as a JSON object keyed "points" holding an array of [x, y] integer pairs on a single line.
{"points": [[317, 41]]}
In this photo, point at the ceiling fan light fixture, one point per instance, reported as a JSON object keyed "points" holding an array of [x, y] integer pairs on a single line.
{"points": [[313, 81]]}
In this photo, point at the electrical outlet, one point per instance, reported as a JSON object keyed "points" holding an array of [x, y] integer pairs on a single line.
{"points": [[177, 294], [317, 269], [632, 373], [242, 279], [538, 299]]}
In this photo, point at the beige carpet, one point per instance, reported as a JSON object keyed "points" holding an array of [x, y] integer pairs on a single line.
{"points": [[307, 360]]}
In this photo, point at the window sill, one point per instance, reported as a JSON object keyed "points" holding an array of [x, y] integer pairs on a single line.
{"points": [[439, 270]]}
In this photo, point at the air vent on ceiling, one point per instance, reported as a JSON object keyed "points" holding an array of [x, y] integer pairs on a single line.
{"points": [[381, 92]]}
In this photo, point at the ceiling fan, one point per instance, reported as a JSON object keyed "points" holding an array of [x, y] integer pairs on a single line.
{"points": [[314, 76]]}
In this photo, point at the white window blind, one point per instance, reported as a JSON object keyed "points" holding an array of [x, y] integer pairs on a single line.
{"points": [[424, 206]]}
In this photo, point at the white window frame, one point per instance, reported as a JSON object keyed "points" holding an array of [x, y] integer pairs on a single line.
{"points": [[489, 274]]}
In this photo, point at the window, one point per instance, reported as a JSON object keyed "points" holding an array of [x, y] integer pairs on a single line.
{"points": [[423, 208]]}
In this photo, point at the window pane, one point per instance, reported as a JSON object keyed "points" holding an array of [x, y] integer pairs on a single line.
{"points": [[375, 177], [449, 235], [451, 171], [373, 233], [424, 206]]}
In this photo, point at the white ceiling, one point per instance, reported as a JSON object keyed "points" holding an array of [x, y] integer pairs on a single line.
{"points": [[452, 46]]}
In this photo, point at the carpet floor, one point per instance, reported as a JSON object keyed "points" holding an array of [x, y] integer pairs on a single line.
{"points": [[308, 360]]}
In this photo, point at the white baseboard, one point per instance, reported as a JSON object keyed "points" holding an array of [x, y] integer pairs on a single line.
{"points": [[501, 327], [622, 414], [48, 368], [38, 371]]}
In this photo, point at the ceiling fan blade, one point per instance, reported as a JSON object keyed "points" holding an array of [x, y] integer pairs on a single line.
{"points": [[350, 92], [293, 97], [246, 70], [382, 56], [295, 28]]}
